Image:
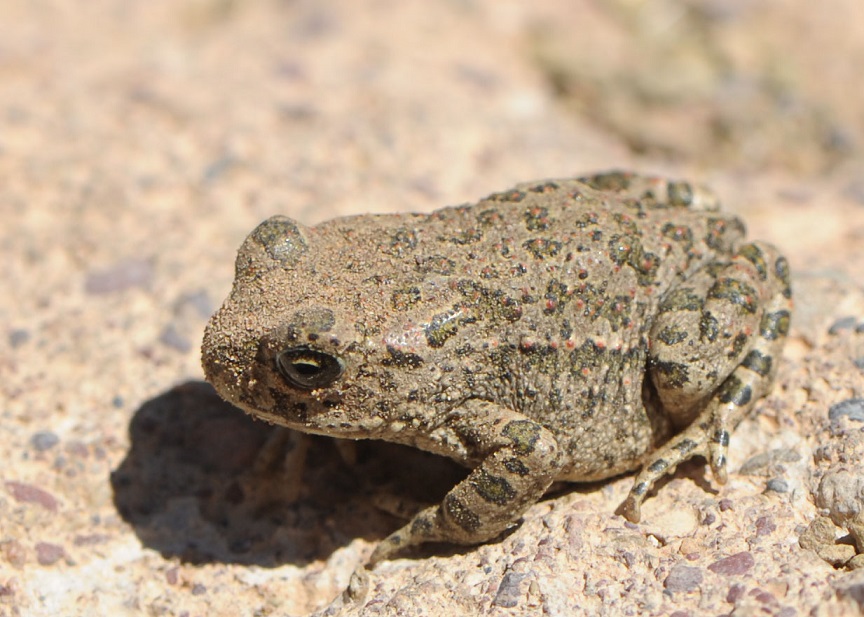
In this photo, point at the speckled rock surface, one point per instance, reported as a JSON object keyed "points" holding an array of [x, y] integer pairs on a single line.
{"points": [[141, 142]]}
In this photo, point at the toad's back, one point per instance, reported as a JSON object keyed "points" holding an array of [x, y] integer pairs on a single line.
{"points": [[540, 298]]}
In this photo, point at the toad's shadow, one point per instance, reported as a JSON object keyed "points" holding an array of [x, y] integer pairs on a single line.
{"points": [[190, 487]]}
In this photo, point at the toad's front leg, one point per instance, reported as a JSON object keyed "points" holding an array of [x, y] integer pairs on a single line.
{"points": [[519, 459]]}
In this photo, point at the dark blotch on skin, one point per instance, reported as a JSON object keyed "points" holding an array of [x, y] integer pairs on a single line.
{"points": [[685, 445], [682, 299], [557, 295], [545, 187], [493, 489], [709, 328], [735, 391], [436, 264], [287, 405], [514, 196], [658, 466], [402, 359], [736, 292], [402, 241], [542, 358], [628, 250], [494, 304], [523, 433], [754, 255], [718, 228], [640, 489], [671, 335], [404, 299], [313, 320], [541, 248], [680, 193], [738, 344], [516, 466], [774, 325], [611, 181], [441, 328], [679, 233], [675, 375], [617, 312], [758, 362], [489, 218], [781, 269], [461, 515], [537, 219], [467, 236]]}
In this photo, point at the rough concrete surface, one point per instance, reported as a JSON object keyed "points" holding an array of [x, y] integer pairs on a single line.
{"points": [[141, 141]]}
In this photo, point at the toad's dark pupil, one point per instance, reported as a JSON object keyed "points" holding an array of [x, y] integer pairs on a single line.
{"points": [[307, 369]]}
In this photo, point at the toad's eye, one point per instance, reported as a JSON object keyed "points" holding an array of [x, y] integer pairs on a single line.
{"points": [[308, 368]]}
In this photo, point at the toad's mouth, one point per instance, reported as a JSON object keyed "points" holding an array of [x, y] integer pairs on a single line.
{"points": [[313, 411], [332, 422]]}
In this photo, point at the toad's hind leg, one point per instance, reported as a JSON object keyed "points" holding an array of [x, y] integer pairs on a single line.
{"points": [[714, 349]]}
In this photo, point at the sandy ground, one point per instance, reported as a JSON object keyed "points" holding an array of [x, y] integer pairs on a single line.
{"points": [[141, 141]]}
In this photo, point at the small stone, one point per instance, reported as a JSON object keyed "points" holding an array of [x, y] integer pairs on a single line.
{"points": [[777, 485], [735, 592], [172, 576], [765, 526], [27, 493], [48, 554], [841, 492], [844, 323], [508, 591], [764, 461], [18, 337], [44, 440], [734, 565], [762, 596], [854, 592], [853, 407], [819, 537], [91, 539], [683, 578], [689, 546]]}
